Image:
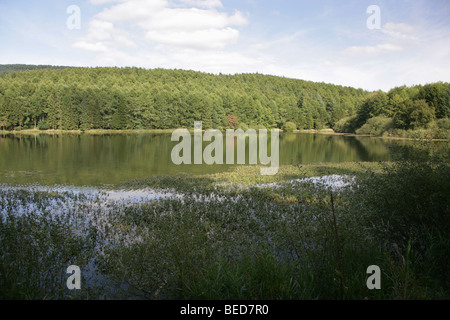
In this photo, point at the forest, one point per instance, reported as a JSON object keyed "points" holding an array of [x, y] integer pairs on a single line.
{"points": [[66, 98], [7, 68]]}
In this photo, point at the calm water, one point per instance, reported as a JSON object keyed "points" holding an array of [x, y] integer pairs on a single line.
{"points": [[95, 160]]}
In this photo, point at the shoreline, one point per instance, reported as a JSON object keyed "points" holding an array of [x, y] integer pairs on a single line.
{"points": [[79, 132], [36, 132], [331, 132]]}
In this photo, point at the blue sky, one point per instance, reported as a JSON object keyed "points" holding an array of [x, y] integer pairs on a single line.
{"points": [[323, 40]]}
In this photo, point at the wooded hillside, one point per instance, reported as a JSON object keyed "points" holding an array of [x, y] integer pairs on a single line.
{"points": [[134, 98]]}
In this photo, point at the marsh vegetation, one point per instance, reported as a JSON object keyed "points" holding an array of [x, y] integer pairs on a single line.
{"points": [[237, 234]]}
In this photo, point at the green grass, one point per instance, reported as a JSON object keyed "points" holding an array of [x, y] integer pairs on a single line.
{"points": [[238, 241], [250, 175]]}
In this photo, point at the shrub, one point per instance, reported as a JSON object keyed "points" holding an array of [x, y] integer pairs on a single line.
{"points": [[243, 126], [414, 115], [440, 129], [346, 125], [375, 104], [289, 127], [408, 209], [258, 127], [443, 123], [376, 126], [434, 132], [43, 125], [412, 196]]}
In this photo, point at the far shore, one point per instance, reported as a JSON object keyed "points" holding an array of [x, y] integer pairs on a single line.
{"points": [[169, 131]]}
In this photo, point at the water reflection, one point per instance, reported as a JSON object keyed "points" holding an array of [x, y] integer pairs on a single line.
{"points": [[109, 159]]}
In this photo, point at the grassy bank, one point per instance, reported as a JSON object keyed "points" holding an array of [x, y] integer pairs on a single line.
{"points": [[250, 176], [412, 135], [77, 132], [236, 236]]}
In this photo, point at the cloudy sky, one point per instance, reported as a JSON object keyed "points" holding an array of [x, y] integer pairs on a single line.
{"points": [[321, 40]]}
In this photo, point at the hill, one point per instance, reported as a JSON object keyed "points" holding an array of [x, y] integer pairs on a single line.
{"points": [[7, 68], [134, 98]]}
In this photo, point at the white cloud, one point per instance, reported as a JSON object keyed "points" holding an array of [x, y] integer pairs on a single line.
{"points": [[103, 36], [90, 46], [207, 39], [132, 10], [396, 37], [100, 30], [400, 31], [98, 2], [278, 42], [398, 27], [163, 24], [203, 3], [203, 35], [372, 50], [191, 19], [404, 55]]}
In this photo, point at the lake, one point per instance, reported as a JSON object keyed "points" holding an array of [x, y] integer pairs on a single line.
{"points": [[96, 160]]}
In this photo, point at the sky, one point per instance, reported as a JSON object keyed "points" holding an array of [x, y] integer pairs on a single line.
{"points": [[376, 44]]}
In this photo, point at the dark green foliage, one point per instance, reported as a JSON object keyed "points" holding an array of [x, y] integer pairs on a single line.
{"points": [[119, 119], [412, 196], [437, 95], [373, 106], [6, 68], [408, 208], [376, 126], [132, 98], [413, 109], [289, 127], [346, 125], [413, 115], [43, 125]]}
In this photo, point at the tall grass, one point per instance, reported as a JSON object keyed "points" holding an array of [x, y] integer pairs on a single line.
{"points": [[408, 207], [225, 241], [37, 245]]}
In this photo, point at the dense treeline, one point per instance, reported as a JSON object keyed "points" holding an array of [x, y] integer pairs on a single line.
{"points": [[134, 98], [422, 111], [6, 68]]}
